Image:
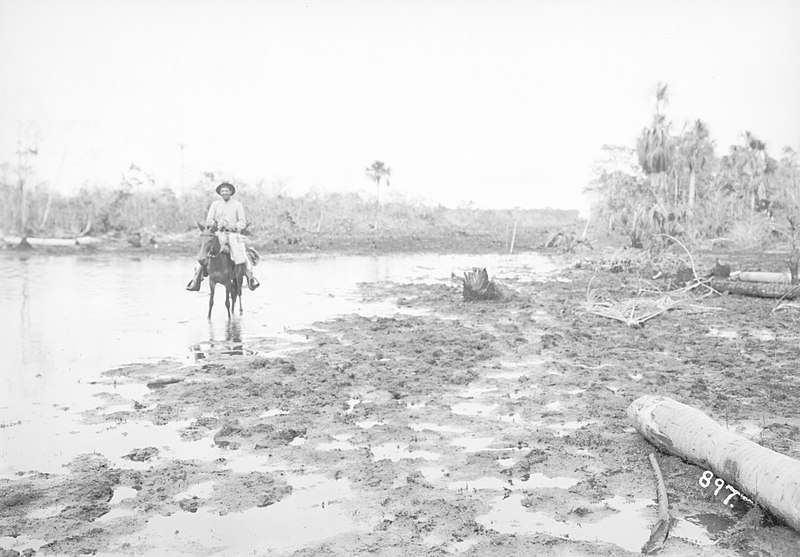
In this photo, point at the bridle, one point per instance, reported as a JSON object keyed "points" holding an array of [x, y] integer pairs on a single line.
{"points": [[206, 252]]}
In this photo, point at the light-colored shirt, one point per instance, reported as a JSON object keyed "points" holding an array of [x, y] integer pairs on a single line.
{"points": [[228, 214]]}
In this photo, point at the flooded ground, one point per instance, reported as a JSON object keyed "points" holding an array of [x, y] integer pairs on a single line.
{"points": [[400, 420]]}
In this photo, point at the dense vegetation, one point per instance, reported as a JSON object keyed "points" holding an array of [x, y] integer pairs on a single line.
{"points": [[140, 211], [675, 184]]}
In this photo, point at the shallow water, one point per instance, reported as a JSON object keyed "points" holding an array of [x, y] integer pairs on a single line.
{"points": [[66, 318], [627, 525], [311, 513]]}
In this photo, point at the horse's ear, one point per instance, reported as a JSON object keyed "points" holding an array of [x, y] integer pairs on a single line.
{"points": [[200, 226], [213, 227]]}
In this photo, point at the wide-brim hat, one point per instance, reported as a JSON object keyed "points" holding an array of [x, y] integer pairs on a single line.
{"points": [[224, 184]]}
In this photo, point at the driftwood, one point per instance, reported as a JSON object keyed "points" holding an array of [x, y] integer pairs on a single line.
{"points": [[759, 289], [660, 531], [477, 286], [769, 478]]}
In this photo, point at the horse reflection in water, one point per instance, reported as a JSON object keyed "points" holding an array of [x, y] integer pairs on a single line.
{"points": [[232, 345]]}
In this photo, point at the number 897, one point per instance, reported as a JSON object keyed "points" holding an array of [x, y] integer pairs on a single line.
{"points": [[705, 481]]}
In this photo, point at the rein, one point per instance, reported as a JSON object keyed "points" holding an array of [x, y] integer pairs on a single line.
{"points": [[212, 253]]}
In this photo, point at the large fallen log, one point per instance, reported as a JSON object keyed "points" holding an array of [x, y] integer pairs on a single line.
{"points": [[52, 242], [770, 479], [764, 276], [758, 289]]}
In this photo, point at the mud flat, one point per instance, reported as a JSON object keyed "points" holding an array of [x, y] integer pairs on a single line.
{"points": [[450, 428]]}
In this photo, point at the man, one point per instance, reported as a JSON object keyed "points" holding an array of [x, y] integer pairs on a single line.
{"points": [[228, 214]]}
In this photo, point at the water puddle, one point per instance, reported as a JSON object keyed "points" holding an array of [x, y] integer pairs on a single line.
{"points": [[476, 390], [336, 446], [562, 430], [274, 412], [206, 450], [507, 375], [368, 424], [438, 428], [474, 444], [21, 543], [116, 513], [478, 444], [697, 527], [46, 512], [472, 408], [68, 438], [556, 406], [514, 418], [121, 493], [763, 335], [712, 332], [312, 513], [530, 362], [535, 481], [433, 472], [448, 545], [628, 527], [202, 490], [396, 452]]}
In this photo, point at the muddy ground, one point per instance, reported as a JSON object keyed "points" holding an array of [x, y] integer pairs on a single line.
{"points": [[452, 427]]}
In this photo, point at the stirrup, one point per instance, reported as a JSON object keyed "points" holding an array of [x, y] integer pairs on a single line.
{"points": [[253, 283]]}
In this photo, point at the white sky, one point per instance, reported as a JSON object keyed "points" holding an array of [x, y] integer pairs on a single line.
{"points": [[505, 103]]}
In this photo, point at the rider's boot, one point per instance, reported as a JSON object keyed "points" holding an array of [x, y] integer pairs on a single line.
{"points": [[252, 282], [194, 284]]}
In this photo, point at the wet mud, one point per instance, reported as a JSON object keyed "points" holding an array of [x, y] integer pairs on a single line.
{"points": [[448, 428]]}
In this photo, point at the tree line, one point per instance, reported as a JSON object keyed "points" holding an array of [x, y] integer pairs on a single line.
{"points": [[675, 185]]}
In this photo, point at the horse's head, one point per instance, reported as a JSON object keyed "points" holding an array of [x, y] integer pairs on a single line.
{"points": [[209, 242]]}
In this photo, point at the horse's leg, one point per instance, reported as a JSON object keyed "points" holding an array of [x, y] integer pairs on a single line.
{"points": [[211, 284], [235, 294], [228, 298], [239, 281]]}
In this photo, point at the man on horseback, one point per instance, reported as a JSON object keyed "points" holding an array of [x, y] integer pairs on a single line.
{"points": [[228, 215]]}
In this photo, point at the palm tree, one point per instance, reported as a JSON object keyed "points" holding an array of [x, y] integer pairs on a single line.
{"points": [[751, 162], [654, 146], [697, 150], [376, 172]]}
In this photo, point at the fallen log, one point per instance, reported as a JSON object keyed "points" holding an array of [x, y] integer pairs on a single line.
{"points": [[660, 531], [764, 276], [769, 478], [758, 289], [52, 242]]}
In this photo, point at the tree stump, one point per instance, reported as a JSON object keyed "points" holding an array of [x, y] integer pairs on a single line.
{"points": [[477, 286]]}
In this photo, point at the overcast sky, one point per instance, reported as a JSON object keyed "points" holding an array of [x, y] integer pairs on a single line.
{"points": [[504, 103]]}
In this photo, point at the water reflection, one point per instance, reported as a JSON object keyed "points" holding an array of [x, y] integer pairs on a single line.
{"points": [[69, 318], [231, 345]]}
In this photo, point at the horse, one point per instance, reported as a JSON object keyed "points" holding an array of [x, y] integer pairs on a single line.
{"points": [[221, 269]]}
